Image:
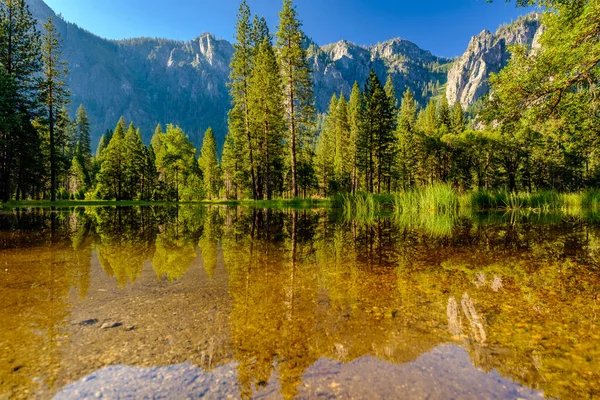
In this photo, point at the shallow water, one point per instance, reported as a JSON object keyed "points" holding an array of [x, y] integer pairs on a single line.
{"points": [[234, 302]]}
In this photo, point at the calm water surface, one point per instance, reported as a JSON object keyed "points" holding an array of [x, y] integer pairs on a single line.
{"points": [[233, 302]]}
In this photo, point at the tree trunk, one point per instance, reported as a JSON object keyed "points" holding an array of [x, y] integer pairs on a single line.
{"points": [[52, 150], [293, 131]]}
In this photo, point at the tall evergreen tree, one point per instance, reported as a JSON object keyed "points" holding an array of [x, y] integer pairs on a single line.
{"points": [[267, 117], [390, 91], [176, 162], [355, 110], [20, 64], [428, 120], [209, 165], [76, 176], [112, 171], [230, 168], [444, 116], [103, 142], [325, 149], [84, 137], [135, 163], [458, 118], [241, 69], [343, 152], [406, 134], [298, 89], [260, 32], [377, 139], [54, 92], [66, 146]]}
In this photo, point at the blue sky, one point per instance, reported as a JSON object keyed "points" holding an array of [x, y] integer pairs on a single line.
{"points": [[442, 26]]}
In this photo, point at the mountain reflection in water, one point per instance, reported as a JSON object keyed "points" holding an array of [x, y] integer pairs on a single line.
{"points": [[294, 303]]}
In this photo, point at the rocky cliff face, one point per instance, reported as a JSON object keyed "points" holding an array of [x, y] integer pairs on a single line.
{"points": [[147, 80], [337, 66], [487, 53]]}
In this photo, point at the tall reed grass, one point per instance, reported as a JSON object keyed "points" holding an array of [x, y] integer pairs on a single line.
{"points": [[543, 201], [432, 199], [362, 206], [417, 206]]}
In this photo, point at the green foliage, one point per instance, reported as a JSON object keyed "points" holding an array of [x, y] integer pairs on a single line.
{"points": [[53, 92], [325, 150], [239, 115], [545, 102], [376, 142], [20, 66], [298, 92], [83, 142], [266, 119], [209, 165], [176, 164]]}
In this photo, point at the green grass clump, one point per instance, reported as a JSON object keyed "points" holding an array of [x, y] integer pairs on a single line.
{"points": [[432, 199], [590, 199], [543, 201], [362, 206]]}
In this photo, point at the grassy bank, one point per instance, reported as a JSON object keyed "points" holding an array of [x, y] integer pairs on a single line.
{"points": [[439, 200], [436, 200], [285, 203], [544, 201]]}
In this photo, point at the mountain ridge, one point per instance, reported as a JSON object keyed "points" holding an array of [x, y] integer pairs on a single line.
{"points": [[160, 80]]}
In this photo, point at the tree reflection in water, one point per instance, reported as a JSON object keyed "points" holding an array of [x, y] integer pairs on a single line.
{"points": [[520, 294]]}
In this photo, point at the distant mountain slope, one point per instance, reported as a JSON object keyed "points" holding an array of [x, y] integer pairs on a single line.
{"points": [[146, 80], [152, 81], [337, 66]]}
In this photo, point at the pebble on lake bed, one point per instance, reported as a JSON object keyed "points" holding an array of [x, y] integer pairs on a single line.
{"points": [[109, 325]]}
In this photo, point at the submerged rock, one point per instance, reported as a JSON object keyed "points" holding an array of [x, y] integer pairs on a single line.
{"points": [[110, 325]]}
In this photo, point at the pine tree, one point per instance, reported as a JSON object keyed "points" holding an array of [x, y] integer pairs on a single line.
{"points": [[390, 91], [103, 142], [343, 152], [325, 149], [428, 121], [150, 174], [229, 166], [84, 138], [267, 117], [176, 162], [112, 171], [209, 165], [444, 117], [298, 90], [66, 146], [76, 176], [111, 175], [377, 139], [260, 32], [406, 156], [20, 64], [135, 163], [54, 93], [241, 69], [458, 118], [355, 110]]}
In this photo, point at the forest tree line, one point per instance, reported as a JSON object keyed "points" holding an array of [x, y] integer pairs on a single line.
{"points": [[34, 146], [537, 130]]}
